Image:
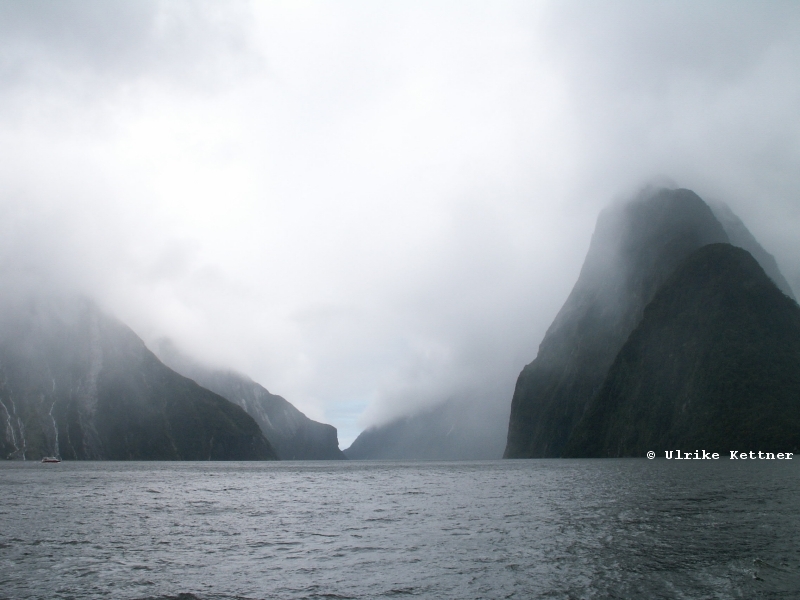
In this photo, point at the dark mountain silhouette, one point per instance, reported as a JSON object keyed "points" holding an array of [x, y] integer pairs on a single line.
{"points": [[78, 384], [713, 364], [293, 435], [634, 249]]}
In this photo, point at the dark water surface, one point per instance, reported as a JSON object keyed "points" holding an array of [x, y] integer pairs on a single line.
{"points": [[506, 529]]}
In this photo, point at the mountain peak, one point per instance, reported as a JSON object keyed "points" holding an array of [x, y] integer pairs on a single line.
{"points": [[635, 247]]}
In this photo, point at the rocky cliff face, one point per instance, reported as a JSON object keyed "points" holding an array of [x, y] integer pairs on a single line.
{"points": [[635, 248], [78, 384], [713, 364], [293, 435]]}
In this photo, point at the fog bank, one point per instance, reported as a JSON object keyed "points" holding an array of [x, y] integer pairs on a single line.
{"points": [[367, 208]]}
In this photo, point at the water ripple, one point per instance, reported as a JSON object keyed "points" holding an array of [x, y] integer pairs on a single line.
{"points": [[512, 529]]}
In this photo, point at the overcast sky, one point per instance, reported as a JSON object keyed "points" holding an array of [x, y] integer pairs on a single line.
{"points": [[371, 206]]}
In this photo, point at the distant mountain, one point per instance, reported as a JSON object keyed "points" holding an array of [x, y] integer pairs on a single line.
{"points": [[79, 384], [634, 249], [293, 435], [714, 364], [449, 431]]}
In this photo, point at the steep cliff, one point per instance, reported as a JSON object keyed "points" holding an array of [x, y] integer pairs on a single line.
{"points": [[713, 364], [635, 248], [79, 384], [293, 435]]}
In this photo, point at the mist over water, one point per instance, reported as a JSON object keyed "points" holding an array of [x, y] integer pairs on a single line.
{"points": [[527, 529]]}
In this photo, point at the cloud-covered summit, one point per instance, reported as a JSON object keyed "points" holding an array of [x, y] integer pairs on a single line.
{"points": [[370, 208]]}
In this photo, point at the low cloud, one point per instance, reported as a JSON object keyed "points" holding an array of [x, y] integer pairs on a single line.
{"points": [[372, 208]]}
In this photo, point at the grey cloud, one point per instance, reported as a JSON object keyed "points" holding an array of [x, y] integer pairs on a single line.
{"points": [[392, 215], [646, 46], [69, 44]]}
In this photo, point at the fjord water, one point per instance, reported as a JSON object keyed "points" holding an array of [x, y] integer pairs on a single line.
{"points": [[628, 528]]}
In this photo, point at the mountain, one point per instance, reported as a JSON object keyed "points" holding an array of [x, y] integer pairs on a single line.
{"points": [[449, 431], [79, 384], [293, 435], [740, 236], [714, 364], [635, 247]]}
